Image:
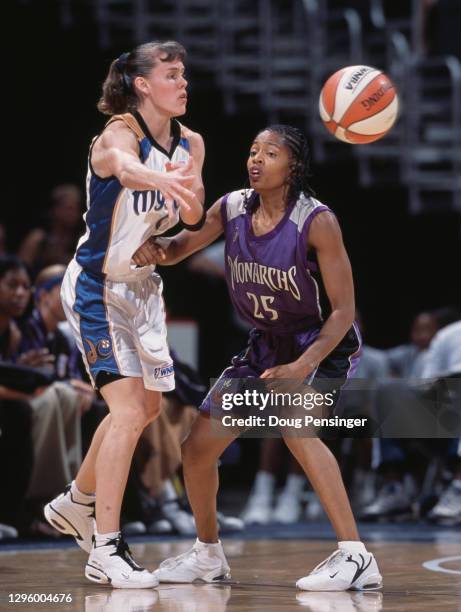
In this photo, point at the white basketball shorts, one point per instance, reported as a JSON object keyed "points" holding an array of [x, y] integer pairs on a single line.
{"points": [[119, 326]]}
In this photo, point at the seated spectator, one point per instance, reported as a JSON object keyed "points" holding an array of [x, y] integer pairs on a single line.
{"points": [[15, 413], [15, 291], [393, 457], [56, 242], [444, 360], [56, 413]]}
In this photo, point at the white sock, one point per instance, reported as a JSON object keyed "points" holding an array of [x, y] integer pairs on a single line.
{"points": [[352, 546], [79, 497], [294, 485], [211, 545], [102, 538], [264, 484]]}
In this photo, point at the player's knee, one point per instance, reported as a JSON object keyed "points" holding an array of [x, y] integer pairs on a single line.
{"points": [[132, 416], [195, 453], [190, 452]]}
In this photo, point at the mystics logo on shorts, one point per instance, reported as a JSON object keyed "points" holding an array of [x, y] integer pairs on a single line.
{"points": [[102, 350], [164, 372]]}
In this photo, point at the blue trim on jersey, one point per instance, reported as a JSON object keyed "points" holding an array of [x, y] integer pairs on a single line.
{"points": [[94, 324], [184, 143], [144, 149]]}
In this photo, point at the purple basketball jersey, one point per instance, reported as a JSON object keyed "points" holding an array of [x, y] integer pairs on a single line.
{"points": [[270, 277]]}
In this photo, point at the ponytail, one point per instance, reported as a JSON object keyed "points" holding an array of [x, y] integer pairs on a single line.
{"points": [[118, 90]]}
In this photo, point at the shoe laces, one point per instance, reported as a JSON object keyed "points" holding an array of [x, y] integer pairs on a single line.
{"points": [[123, 551], [175, 561], [332, 561]]}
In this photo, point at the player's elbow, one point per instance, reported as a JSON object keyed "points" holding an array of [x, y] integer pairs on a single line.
{"points": [[348, 314], [120, 166]]}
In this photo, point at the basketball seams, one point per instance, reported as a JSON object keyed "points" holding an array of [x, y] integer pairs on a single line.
{"points": [[328, 96], [370, 125], [355, 108], [346, 99]]}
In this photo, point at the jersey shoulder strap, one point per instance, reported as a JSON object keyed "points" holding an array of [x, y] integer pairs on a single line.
{"points": [[130, 121], [233, 205]]}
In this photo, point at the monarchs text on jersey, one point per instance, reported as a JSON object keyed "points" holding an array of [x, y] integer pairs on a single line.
{"points": [[119, 220]]}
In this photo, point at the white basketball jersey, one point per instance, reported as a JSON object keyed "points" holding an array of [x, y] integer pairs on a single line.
{"points": [[118, 219]]}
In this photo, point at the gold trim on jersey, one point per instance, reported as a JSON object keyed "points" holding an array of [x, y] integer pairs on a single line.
{"points": [[130, 122]]}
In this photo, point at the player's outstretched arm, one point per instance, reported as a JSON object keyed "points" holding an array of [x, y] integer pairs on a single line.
{"points": [[116, 153], [169, 251]]}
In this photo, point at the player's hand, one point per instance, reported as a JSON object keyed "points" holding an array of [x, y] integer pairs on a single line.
{"points": [[174, 184], [288, 378], [290, 371], [36, 358], [151, 252]]}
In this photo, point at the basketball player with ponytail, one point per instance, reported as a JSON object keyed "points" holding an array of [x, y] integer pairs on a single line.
{"points": [[283, 249], [144, 175]]}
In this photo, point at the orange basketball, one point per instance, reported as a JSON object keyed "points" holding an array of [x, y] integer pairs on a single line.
{"points": [[358, 104]]}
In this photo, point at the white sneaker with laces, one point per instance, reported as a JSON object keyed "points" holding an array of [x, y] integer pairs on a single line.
{"points": [[343, 570], [70, 517], [113, 564], [203, 562]]}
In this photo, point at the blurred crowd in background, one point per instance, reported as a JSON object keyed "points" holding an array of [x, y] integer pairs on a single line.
{"points": [[49, 411]]}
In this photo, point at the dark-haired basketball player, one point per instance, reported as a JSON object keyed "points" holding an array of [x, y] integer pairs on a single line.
{"points": [[144, 174], [277, 238]]}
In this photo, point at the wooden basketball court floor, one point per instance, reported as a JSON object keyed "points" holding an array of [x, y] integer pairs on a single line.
{"points": [[417, 576]]}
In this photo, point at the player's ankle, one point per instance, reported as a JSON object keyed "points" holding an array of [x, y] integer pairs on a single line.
{"points": [[353, 546]]}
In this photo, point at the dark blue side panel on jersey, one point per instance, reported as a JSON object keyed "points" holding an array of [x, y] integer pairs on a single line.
{"points": [[94, 326], [103, 196]]}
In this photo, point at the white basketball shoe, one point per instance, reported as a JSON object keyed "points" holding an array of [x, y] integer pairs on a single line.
{"points": [[203, 562], [112, 563], [343, 570], [71, 517]]}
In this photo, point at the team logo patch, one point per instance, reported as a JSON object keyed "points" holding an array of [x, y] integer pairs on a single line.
{"points": [[163, 372], [102, 350], [91, 355]]}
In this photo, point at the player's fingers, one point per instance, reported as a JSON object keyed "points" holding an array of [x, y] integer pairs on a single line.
{"points": [[170, 166], [267, 373], [158, 253], [182, 203], [140, 257], [187, 167], [184, 180]]}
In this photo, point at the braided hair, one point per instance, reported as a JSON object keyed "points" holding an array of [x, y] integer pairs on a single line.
{"points": [[298, 181]]}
